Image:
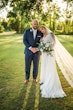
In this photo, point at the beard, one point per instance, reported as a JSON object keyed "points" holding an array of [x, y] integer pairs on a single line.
{"points": [[35, 27]]}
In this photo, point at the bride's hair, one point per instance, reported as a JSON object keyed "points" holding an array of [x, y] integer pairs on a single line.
{"points": [[48, 30], [43, 27]]}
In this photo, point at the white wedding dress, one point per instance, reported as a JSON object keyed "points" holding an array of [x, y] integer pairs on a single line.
{"points": [[51, 87]]}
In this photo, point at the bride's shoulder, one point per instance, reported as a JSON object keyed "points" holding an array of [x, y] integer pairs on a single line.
{"points": [[52, 35]]}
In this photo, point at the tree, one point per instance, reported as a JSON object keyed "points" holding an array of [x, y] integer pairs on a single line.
{"points": [[26, 10], [3, 3], [1, 28], [23, 9], [67, 14]]}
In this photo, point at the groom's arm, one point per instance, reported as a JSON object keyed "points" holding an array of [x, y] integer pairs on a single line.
{"points": [[25, 41]]}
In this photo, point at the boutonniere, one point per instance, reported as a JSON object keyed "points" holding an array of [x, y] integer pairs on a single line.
{"points": [[31, 30]]}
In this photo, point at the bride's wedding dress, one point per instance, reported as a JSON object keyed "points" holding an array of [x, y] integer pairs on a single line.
{"points": [[51, 87]]}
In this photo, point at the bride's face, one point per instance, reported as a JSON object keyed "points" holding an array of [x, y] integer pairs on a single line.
{"points": [[43, 30]]}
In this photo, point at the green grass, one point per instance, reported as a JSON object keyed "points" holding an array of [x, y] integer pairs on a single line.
{"points": [[14, 94], [67, 41]]}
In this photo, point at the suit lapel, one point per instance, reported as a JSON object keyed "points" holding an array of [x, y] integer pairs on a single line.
{"points": [[31, 33]]}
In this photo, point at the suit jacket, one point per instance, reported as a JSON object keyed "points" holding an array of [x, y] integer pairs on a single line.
{"points": [[29, 41]]}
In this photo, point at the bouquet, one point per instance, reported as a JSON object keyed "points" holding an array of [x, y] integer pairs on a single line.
{"points": [[45, 47]]}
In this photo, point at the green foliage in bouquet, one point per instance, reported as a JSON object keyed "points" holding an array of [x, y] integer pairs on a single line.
{"points": [[45, 47]]}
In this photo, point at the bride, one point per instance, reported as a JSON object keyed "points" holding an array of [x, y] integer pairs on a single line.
{"points": [[50, 85]]}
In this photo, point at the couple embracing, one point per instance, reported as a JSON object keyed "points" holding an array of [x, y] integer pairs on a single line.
{"points": [[40, 40]]}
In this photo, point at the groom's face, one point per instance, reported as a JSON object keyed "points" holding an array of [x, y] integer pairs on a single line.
{"points": [[35, 24]]}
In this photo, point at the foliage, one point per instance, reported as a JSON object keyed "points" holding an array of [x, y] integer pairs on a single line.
{"points": [[1, 28], [45, 47], [18, 24], [25, 10], [3, 3], [5, 24], [12, 23]]}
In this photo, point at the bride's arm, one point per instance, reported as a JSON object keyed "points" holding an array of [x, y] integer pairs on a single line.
{"points": [[41, 40], [52, 39]]}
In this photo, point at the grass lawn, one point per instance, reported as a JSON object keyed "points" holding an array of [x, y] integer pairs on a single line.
{"points": [[14, 94], [67, 41]]}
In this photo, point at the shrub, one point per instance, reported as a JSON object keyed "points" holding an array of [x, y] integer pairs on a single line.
{"points": [[1, 28]]}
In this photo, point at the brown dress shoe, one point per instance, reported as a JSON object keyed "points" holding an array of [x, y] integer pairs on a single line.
{"points": [[26, 81]]}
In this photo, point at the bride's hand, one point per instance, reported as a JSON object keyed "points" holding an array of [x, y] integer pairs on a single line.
{"points": [[41, 39]]}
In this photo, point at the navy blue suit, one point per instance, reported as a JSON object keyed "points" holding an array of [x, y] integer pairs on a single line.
{"points": [[29, 41]]}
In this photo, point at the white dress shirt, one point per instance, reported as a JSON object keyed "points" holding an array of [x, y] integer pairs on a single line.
{"points": [[34, 35], [34, 32]]}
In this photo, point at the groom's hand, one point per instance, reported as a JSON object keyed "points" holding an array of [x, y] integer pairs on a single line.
{"points": [[34, 50]]}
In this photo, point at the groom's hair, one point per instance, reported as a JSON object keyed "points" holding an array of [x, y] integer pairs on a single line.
{"points": [[35, 20]]}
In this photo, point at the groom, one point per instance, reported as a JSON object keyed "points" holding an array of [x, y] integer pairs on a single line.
{"points": [[31, 39]]}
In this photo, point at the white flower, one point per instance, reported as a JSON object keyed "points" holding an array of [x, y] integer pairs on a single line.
{"points": [[47, 44], [41, 50], [44, 47], [41, 42], [49, 49]]}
